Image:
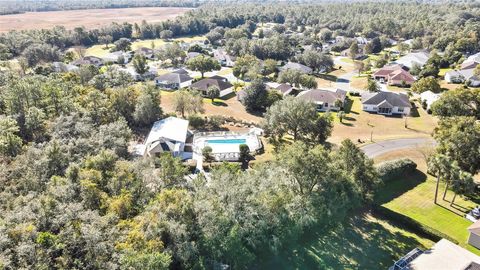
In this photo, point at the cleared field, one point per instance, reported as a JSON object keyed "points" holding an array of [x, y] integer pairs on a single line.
{"points": [[101, 50], [90, 18]]}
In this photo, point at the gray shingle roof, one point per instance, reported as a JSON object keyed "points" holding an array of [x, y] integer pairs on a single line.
{"points": [[297, 66], [325, 96], [174, 78], [394, 99], [206, 83]]}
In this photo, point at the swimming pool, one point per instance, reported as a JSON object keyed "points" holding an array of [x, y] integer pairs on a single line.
{"points": [[227, 141]]}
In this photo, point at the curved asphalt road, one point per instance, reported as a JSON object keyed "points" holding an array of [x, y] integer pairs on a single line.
{"points": [[378, 148]]}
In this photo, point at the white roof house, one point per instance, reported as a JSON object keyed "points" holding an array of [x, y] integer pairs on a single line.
{"points": [[167, 135], [429, 98], [444, 255], [419, 58]]}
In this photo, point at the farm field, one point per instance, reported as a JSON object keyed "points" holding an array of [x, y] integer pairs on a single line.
{"points": [[91, 18]]}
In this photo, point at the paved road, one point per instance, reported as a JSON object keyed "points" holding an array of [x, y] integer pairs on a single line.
{"points": [[378, 148]]}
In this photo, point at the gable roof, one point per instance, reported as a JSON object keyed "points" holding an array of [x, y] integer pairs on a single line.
{"points": [[180, 71], [445, 255], [475, 228], [173, 78], [214, 81], [474, 58], [171, 128], [297, 66], [469, 64], [323, 96], [384, 71], [284, 88], [410, 59], [88, 60], [401, 75], [394, 99]]}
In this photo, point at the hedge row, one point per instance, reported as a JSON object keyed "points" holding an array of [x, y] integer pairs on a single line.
{"points": [[411, 224], [394, 169]]}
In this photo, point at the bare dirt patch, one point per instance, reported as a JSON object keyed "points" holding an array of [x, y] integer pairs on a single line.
{"points": [[90, 18]]}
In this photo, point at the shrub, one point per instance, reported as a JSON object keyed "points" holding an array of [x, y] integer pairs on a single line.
{"points": [[196, 121], [391, 170], [411, 224]]}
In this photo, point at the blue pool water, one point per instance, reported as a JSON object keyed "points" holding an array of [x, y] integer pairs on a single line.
{"points": [[227, 141]]}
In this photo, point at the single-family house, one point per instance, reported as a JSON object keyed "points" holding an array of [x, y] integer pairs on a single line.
{"points": [[394, 75], [361, 40], [88, 60], [167, 135], [474, 237], [414, 58], [147, 52], [173, 80], [428, 98], [218, 81], [297, 66], [118, 57], [387, 103], [326, 100], [60, 67], [224, 58], [463, 75], [150, 74], [454, 76], [284, 88], [471, 62], [191, 55], [444, 255]]}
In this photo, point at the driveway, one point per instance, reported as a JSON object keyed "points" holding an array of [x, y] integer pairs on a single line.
{"points": [[378, 148]]}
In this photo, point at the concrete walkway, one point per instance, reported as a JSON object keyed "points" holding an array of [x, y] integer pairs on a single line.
{"points": [[378, 148]]}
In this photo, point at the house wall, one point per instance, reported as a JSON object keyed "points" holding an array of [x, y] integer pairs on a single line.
{"points": [[186, 84], [474, 240], [226, 92], [398, 82], [395, 110]]}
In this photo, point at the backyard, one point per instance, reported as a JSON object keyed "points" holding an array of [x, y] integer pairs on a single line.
{"points": [[346, 246], [412, 196]]}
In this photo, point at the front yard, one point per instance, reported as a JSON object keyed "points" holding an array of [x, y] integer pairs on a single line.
{"points": [[358, 124]]}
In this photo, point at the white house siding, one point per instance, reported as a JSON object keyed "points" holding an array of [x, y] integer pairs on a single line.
{"points": [[474, 240], [395, 110], [185, 84], [226, 92]]}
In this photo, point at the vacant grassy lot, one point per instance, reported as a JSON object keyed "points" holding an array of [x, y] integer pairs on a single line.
{"points": [[346, 246], [413, 196], [90, 18], [359, 125], [100, 50], [228, 107]]}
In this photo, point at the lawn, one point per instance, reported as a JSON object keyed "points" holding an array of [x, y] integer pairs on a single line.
{"points": [[346, 246], [100, 50], [358, 124], [412, 196], [229, 106]]}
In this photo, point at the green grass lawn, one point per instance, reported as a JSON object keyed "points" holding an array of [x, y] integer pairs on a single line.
{"points": [[347, 246], [443, 71], [413, 196]]}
